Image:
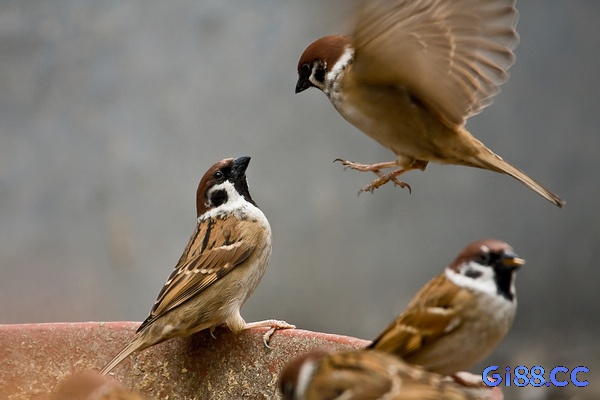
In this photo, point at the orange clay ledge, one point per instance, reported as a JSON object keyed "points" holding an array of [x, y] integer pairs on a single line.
{"points": [[36, 358]]}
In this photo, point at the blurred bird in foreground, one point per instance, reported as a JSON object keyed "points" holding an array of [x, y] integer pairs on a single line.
{"points": [[370, 375], [90, 385]]}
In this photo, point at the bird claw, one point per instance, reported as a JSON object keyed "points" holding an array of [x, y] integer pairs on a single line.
{"points": [[385, 178], [347, 164], [402, 184], [376, 169], [382, 180], [273, 326], [267, 337]]}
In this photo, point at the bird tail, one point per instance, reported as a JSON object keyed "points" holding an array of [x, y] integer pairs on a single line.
{"points": [[135, 344], [489, 160]]}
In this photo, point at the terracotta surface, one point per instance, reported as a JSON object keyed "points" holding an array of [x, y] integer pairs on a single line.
{"points": [[36, 358]]}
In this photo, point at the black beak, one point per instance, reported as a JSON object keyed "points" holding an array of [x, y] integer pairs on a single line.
{"points": [[302, 84], [238, 167]]}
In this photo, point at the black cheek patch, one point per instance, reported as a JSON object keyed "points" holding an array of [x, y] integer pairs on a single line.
{"points": [[472, 273], [320, 74], [218, 197]]}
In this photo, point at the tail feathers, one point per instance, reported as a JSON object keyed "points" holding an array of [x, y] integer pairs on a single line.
{"points": [[134, 345], [494, 162]]}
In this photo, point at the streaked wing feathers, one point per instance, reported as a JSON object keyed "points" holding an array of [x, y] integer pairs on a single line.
{"points": [[451, 55], [354, 374], [434, 312], [217, 246], [357, 375]]}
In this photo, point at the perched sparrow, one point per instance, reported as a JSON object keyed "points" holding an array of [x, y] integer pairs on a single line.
{"points": [[461, 315], [221, 266], [369, 374], [411, 75]]}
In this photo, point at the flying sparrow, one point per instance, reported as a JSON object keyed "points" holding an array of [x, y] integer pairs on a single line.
{"points": [[369, 374], [221, 266], [411, 75], [461, 315]]}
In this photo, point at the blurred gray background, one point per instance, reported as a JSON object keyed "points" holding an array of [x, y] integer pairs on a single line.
{"points": [[111, 111]]}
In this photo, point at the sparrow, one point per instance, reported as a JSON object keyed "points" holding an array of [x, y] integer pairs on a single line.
{"points": [[410, 76], [219, 269], [369, 374], [461, 315]]}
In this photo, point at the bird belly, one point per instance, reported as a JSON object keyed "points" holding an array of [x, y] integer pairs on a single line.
{"points": [[455, 352], [216, 303], [402, 124], [472, 341]]}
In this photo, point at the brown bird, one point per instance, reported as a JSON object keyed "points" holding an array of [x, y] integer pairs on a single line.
{"points": [[411, 75], [90, 385], [221, 266], [461, 315], [370, 375]]}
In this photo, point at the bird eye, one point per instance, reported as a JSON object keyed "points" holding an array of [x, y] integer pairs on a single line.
{"points": [[218, 175], [305, 69], [484, 258]]}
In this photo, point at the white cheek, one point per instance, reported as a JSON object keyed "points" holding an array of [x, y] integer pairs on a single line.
{"points": [[500, 309], [333, 78], [236, 204], [234, 200], [343, 62], [484, 283]]}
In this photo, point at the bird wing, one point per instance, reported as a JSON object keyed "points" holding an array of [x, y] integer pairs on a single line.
{"points": [[217, 246], [358, 375], [452, 55], [377, 375], [435, 311]]}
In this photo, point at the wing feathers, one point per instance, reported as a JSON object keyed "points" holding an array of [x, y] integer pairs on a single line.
{"points": [[213, 251], [434, 312], [452, 55]]}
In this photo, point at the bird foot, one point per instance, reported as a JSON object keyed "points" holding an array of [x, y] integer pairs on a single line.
{"points": [[376, 168], [273, 325], [385, 178]]}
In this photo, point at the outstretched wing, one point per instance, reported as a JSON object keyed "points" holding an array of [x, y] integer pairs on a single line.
{"points": [[450, 54]]}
